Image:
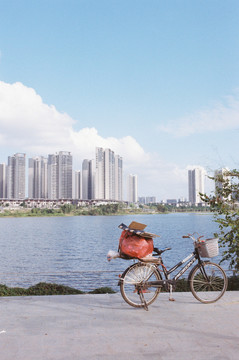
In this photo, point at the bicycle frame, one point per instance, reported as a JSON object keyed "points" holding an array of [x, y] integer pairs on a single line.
{"points": [[194, 256]]}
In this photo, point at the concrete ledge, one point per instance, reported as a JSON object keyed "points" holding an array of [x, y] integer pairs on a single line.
{"points": [[79, 327]]}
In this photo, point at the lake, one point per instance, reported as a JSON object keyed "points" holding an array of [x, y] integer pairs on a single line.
{"points": [[72, 250]]}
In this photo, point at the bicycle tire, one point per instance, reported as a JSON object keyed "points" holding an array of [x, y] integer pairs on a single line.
{"points": [[134, 280], [208, 282]]}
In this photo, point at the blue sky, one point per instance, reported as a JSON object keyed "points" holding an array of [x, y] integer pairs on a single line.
{"points": [[156, 81]]}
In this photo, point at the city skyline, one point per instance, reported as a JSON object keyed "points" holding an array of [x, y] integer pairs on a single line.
{"points": [[156, 82], [99, 179], [53, 177]]}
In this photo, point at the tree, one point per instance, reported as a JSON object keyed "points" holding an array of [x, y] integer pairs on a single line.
{"points": [[225, 204], [161, 208], [66, 208]]}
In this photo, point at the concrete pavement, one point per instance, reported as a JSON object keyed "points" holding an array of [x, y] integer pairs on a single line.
{"points": [[105, 327]]}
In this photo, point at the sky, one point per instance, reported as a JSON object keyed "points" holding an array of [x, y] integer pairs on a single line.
{"points": [[156, 81]]}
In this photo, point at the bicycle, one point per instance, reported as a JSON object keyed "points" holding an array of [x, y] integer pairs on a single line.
{"points": [[141, 283]]}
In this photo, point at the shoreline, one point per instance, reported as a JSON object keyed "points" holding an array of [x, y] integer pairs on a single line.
{"points": [[58, 213]]}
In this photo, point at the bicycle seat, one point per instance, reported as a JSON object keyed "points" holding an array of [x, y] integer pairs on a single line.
{"points": [[159, 252]]}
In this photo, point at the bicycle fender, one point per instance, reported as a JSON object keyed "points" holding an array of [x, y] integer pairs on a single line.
{"points": [[123, 275]]}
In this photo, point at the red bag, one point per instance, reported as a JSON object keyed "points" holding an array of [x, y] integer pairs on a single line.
{"points": [[134, 246]]}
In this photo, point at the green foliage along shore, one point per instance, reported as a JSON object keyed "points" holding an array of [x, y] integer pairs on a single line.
{"points": [[55, 289], [65, 210], [48, 289], [94, 210]]}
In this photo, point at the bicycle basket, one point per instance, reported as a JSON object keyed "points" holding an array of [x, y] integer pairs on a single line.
{"points": [[208, 248]]}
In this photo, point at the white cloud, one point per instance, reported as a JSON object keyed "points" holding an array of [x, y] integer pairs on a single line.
{"points": [[85, 141], [31, 126], [223, 116], [27, 123]]}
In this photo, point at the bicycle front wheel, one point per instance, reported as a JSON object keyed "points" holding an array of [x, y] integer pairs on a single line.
{"points": [[133, 283], [208, 282]]}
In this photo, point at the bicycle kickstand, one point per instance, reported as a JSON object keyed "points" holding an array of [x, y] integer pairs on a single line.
{"points": [[141, 295], [171, 298]]}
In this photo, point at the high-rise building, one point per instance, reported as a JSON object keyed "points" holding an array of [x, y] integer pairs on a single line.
{"points": [[16, 176], [92, 179], [109, 185], [60, 175], [108, 175], [132, 188], [196, 180], [88, 179], [220, 176], [118, 178], [3, 181], [53, 181], [85, 179], [44, 178], [100, 174], [37, 178], [142, 200], [77, 194], [65, 175], [150, 200]]}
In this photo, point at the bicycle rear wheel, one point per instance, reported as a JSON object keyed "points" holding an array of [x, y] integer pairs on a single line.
{"points": [[133, 283], [208, 282]]}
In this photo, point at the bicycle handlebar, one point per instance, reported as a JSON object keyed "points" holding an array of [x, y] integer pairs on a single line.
{"points": [[191, 236]]}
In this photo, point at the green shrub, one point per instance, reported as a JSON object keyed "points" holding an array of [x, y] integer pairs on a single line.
{"points": [[43, 288], [6, 291], [52, 289], [102, 290], [233, 283], [38, 290]]}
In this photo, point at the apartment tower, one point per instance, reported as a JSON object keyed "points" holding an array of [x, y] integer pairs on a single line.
{"points": [[16, 176], [100, 174], [118, 178], [37, 178], [221, 174], [108, 175], [88, 179], [60, 175], [3, 181], [77, 194], [132, 187], [196, 180]]}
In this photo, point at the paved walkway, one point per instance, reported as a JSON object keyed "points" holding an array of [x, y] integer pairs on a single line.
{"points": [[105, 327]]}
